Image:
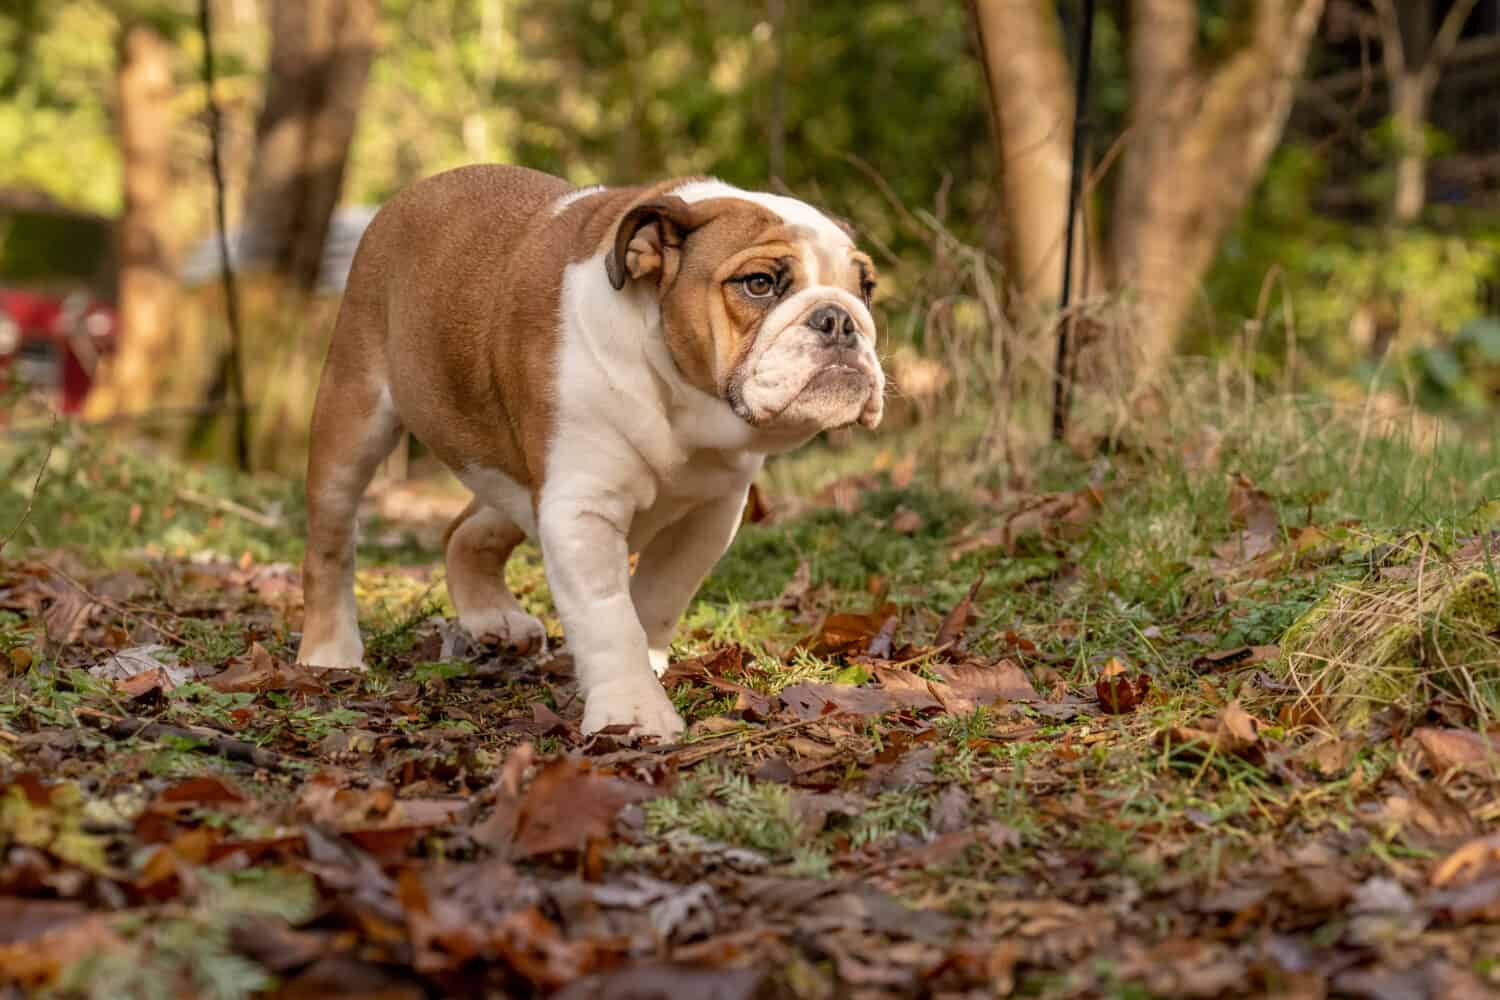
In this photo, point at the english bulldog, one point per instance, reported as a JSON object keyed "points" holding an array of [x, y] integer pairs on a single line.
{"points": [[605, 369]]}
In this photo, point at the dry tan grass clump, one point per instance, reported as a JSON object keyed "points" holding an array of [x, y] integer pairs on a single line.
{"points": [[1426, 628]]}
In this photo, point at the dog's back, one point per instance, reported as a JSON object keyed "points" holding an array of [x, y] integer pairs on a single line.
{"points": [[427, 273]]}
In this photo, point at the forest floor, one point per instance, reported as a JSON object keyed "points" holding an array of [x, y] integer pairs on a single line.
{"points": [[1042, 738]]}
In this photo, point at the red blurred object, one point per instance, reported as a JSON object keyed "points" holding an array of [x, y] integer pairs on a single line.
{"points": [[53, 343]]}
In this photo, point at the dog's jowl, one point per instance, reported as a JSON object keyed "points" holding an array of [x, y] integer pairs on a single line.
{"points": [[605, 369]]}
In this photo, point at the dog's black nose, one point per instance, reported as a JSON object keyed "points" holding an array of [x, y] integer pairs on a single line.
{"points": [[835, 326]]}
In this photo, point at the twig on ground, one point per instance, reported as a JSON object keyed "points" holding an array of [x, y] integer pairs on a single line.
{"points": [[230, 507], [148, 615], [692, 753], [929, 654], [209, 741], [36, 486]]}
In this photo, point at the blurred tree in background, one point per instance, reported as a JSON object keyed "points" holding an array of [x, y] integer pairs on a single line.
{"points": [[147, 253], [320, 58]]}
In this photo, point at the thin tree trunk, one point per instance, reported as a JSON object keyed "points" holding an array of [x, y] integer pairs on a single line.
{"points": [[1409, 100], [320, 59], [1031, 100], [147, 286], [1413, 55], [1198, 144]]}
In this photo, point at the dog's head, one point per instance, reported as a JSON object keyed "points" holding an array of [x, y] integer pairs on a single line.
{"points": [[765, 302]]}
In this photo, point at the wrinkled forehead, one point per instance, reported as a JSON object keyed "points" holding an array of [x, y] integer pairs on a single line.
{"points": [[824, 247]]}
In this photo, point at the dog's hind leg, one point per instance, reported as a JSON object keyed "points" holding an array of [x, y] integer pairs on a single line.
{"points": [[476, 547], [355, 426]]}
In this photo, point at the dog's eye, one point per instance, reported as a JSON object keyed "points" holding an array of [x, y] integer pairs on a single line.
{"points": [[867, 290], [759, 285]]}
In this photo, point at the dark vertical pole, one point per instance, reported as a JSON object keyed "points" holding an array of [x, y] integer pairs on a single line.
{"points": [[231, 289], [777, 137], [1062, 386]]}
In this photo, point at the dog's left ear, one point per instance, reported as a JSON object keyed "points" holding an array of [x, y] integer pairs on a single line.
{"points": [[648, 240]]}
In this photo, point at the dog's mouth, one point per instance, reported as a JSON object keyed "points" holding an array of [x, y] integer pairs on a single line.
{"points": [[835, 374], [734, 395], [832, 387]]}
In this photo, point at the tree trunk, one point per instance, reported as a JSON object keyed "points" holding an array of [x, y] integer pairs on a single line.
{"points": [[1413, 53], [1031, 103], [1199, 141], [147, 285], [320, 58], [1409, 100]]}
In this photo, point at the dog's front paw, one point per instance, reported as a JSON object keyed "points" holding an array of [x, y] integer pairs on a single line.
{"points": [[509, 628], [344, 653], [645, 707]]}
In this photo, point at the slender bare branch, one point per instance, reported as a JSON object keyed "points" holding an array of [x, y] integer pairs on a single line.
{"points": [[1445, 40], [1392, 49]]}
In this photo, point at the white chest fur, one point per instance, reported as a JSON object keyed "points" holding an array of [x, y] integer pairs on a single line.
{"points": [[632, 438], [631, 432]]}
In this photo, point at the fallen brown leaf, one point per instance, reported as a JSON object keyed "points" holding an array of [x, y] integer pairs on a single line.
{"points": [[659, 979], [1478, 858], [900, 766], [1249, 506], [140, 669], [19, 659], [957, 621], [1118, 690], [953, 810], [811, 701], [1330, 758], [1252, 510], [545, 722], [535, 947], [969, 685], [1232, 732], [568, 805], [259, 671], [1461, 749], [883, 645], [202, 790], [729, 659], [342, 977], [68, 614], [39, 938], [848, 633]]}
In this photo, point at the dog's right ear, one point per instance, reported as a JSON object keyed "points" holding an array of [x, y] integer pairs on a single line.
{"points": [[648, 240]]}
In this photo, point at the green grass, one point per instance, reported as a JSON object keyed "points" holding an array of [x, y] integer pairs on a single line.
{"points": [[726, 807], [1139, 581]]}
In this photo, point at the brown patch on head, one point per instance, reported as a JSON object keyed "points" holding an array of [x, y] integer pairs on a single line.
{"points": [[718, 267], [686, 252]]}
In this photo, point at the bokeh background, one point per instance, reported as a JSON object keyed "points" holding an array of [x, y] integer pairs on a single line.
{"points": [[1305, 191]]}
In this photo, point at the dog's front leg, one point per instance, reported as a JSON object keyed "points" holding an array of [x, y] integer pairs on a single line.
{"points": [[588, 568], [674, 564]]}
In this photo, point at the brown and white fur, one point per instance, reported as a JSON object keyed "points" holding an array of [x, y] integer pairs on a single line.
{"points": [[605, 369]]}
